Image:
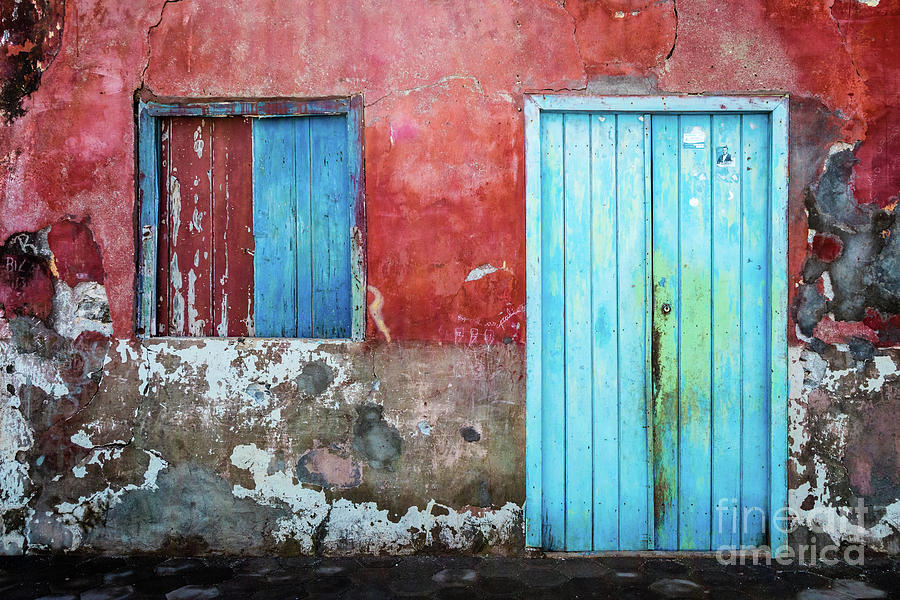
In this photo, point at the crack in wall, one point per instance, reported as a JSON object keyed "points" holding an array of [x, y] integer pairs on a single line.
{"points": [[99, 381], [846, 46], [584, 76], [441, 81], [675, 39], [162, 14]]}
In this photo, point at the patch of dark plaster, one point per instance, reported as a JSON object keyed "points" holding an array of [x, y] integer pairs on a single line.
{"points": [[304, 475], [809, 308], [885, 272], [31, 336], [855, 243], [32, 32], [315, 378], [373, 438], [813, 269], [470, 434], [193, 508], [818, 346], [835, 206], [14, 519], [861, 348], [848, 274], [484, 494]]}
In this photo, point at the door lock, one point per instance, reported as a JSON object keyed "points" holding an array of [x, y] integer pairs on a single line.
{"points": [[666, 308]]}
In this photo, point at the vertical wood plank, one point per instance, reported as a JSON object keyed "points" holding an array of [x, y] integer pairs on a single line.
{"points": [[534, 326], [665, 330], [356, 194], [648, 326], [232, 175], [778, 300], [304, 201], [632, 313], [726, 344], [604, 333], [553, 333], [149, 170], [190, 227], [274, 227], [754, 328], [695, 336], [330, 225], [167, 184], [577, 180]]}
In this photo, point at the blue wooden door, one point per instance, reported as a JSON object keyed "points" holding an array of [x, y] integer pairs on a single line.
{"points": [[655, 330]]}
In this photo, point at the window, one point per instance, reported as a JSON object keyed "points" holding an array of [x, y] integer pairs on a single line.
{"points": [[251, 219]]}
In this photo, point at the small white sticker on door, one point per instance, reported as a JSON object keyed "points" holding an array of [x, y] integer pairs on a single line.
{"points": [[695, 137]]}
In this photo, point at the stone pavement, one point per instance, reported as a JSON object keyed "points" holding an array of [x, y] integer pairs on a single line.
{"points": [[469, 578]]}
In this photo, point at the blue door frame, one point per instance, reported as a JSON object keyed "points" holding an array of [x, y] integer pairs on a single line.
{"points": [[541, 255]]}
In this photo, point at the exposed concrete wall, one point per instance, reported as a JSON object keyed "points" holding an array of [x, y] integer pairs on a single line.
{"points": [[261, 446], [416, 443]]}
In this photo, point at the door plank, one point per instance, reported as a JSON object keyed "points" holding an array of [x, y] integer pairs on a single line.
{"points": [[665, 330], [694, 391], [726, 344], [232, 178], [577, 180], [553, 334], [163, 259], [190, 227], [274, 229], [754, 330], [330, 225], [604, 333], [632, 314], [303, 201], [534, 324]]}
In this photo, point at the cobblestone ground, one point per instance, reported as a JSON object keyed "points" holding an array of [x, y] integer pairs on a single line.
{"points": [[469, 578]]}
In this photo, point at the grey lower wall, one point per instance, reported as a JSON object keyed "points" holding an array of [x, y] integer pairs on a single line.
{"points": [[283, 446], [261, 446]]}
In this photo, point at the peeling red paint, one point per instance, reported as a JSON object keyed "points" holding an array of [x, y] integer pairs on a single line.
{"points": [[839, 332], [75, 253], [827, 247], [887, 328], [877, 175]]}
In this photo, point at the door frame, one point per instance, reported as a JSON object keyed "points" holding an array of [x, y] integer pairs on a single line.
{"points": [[777, 108]]}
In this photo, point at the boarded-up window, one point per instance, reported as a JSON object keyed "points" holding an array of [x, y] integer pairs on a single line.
{"points": [[255, 226]]}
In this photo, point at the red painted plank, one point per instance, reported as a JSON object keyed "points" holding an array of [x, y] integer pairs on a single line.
{"points": [[233, 227], [162, 259], [190, 227]]}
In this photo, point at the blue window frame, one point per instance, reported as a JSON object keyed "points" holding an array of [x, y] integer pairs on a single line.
{"points": [[305, 275]]}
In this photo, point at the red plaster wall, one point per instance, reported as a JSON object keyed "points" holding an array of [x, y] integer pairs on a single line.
{"points": [[443, 85]]}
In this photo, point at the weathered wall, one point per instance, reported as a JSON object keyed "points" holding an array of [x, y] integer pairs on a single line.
{"points": [[414, 439]]}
